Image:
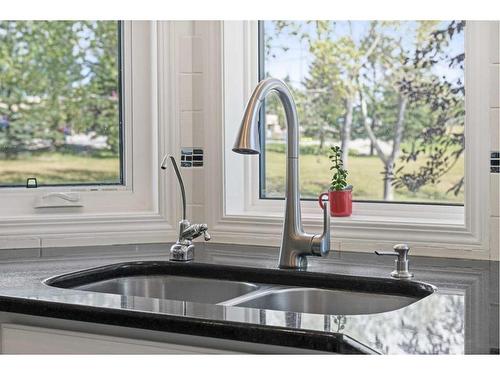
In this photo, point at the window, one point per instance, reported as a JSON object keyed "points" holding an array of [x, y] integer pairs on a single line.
{"points": [[391, 94], [108, 195], [60, 103], [438, 222]]}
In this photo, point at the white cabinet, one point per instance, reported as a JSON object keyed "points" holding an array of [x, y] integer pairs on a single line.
{"points": [[23, 339]]}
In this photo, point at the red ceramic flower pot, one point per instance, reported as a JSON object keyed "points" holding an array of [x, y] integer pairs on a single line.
{"points": [[340, 202]]}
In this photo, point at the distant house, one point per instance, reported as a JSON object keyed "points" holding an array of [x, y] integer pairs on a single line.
{"points": [[273, 128], [89, 141]]}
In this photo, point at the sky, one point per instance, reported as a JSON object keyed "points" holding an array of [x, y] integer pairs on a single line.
{"points": [[295, 62]]}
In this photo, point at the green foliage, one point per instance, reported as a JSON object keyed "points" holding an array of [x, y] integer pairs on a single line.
{"points": [[441, 143], [339, 177], [364, 173], [57, 78], [387, 76]]}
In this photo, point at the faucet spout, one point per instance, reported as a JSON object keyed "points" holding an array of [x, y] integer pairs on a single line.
{"points": [[295, 243]]}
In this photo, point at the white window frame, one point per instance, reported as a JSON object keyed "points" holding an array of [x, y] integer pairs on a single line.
{"points": [[239, 215], [138, 211]]}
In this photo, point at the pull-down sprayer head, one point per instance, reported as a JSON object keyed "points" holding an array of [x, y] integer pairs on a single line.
{"points": [[247, 140]]}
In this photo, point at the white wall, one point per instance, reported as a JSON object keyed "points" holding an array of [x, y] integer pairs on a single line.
{"points": [[189, 65], [495, 139]]}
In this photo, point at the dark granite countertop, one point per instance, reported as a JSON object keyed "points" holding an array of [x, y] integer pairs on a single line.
{"points": [[461, 317]]}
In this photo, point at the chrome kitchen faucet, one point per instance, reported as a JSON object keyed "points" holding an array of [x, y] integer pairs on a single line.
{"points": [[295, 243], [183, 249]]}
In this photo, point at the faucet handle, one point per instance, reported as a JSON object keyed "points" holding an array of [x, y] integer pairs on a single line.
{"points": [[321, 243], [195, 230], [203, 228]]}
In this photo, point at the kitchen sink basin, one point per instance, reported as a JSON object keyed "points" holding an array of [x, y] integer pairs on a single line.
{"points": [[265, 289], [322, 301], [172, 287]]}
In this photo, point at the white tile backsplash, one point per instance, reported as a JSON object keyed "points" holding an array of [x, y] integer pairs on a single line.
{"points": [[186, 119], [196, 214], [197, 53], [494, 241], [186, 92], [187, 177], [183, 28], [495, 86], [495, 194], [192, 131], [185, 51], [190, 52], [198, 129], [494, 137], [495, 43], [494, 129], [190, 112], [197, 80], [194, 189], [191, 92]]}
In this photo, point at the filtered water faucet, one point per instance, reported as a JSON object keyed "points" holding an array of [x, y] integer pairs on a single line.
{"points": [[183, 249]]}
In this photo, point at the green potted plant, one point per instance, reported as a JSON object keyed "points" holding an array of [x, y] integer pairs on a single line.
{"points": [[340, 193]]}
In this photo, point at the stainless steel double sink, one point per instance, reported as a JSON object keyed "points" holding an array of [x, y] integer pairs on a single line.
{"points": [[366, 296]]}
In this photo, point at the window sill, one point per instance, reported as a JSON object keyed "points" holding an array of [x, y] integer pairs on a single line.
{"points": [[307, 217], [363, 212], [428, 234]]}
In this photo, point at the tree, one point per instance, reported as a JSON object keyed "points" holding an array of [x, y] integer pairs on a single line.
{"points": [[333, 74], [378, 80], [380, 87], [57, 77], [102, 89], [424, 104], [442, 141], [398, 131]]}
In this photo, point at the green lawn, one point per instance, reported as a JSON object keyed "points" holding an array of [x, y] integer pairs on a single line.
{"points": [[57, 168], [365, 174]]}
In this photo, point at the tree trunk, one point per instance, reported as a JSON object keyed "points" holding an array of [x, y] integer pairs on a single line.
{"points": [[346, 130], [396, 144], [373, 125], [388, 189], [369, 129], [321, 139], [10, 151]]}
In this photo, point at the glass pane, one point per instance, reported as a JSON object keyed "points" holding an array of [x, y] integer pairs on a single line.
{"points": [[391, 94], [60, 95]]}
